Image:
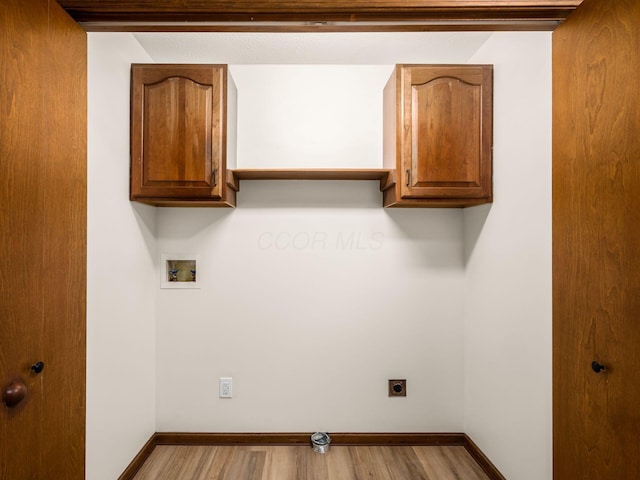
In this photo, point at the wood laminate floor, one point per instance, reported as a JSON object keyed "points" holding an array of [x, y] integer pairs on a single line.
{"points": [[169, 462]]}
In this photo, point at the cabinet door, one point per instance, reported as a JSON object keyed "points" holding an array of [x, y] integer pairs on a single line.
{"points": [[446, 115], [177, 131]]}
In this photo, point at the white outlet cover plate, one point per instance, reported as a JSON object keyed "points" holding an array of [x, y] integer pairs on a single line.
{"points": [[226, 387]]}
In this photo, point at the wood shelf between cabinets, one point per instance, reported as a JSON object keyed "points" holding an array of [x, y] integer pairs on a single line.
{"points": [[385, 176]]}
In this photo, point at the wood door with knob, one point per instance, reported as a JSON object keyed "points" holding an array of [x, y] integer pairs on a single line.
{"points": [[596, 242], [43, 60]]}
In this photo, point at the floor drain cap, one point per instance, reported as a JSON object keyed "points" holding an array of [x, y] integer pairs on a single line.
{"points": [[320, 442]]}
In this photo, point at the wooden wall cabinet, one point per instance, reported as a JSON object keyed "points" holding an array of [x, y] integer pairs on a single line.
{"points": [[183, 141], [437, 141], [438, 135]]}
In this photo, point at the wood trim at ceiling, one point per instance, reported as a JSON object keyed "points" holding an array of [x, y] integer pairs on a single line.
{"points": [[290, 27], [344, 439], [317, 15]]}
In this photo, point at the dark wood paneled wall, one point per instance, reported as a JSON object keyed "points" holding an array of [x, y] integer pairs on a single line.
{"points": [[596, 242], [43, 129]]}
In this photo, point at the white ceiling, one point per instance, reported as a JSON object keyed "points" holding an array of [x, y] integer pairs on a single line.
{"points": [[313, 48]]}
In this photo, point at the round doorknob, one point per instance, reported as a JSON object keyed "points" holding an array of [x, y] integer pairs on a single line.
{"points": [[597, 367], [14, 394]]}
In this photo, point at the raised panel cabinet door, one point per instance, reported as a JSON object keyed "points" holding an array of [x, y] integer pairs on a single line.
{"points": [[178, 131], [446, 138]]}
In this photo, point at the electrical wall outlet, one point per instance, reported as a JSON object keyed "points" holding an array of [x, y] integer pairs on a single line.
{"points": [[226, 387], [398, 388]]}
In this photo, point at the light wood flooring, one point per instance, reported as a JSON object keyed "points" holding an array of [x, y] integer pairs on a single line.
{"points": [[302, 463]]}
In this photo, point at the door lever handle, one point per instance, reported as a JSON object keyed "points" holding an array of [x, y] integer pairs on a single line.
{"points": [[597, 367]]}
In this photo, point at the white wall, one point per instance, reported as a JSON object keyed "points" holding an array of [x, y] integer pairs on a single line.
{"points": [[312, 296], [508, 268], [310, 116], [121, 262]]}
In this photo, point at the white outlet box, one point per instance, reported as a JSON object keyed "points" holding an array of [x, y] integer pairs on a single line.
{"points": [[226, 387]]}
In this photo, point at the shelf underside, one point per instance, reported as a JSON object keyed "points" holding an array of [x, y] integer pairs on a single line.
{"points": [[384, 176]]}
